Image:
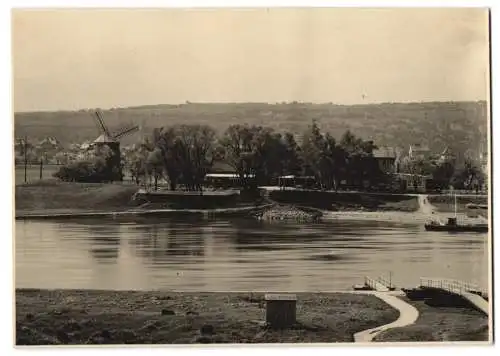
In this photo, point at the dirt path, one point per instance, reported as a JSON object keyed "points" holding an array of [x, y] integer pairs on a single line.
{"points": [[408, 314], [425, 206]]}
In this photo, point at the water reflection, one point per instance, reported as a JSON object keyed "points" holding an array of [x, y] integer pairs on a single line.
{"points": [[104, 239], [160, 241], [238, 254]]}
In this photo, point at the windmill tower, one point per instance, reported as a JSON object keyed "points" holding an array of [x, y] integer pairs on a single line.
{"points": [[106, 139]]}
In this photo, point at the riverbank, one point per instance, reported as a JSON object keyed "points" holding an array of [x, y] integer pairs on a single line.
{"points": [[345, 200], [51, 198], [133, 317], [54, 199], [446, 203], [440, 324]]}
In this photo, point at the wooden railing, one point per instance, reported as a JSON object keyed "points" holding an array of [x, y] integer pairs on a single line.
{"points": [[385, 282], [376, 284], [451, 285]]}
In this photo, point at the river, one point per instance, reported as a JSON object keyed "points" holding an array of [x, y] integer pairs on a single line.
{"points": [[240, 254]]}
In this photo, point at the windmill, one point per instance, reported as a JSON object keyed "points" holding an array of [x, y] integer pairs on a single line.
{"points": [[113, 142]]}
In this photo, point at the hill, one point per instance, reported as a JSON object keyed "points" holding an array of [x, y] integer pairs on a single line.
{"points": [[460, 125]]}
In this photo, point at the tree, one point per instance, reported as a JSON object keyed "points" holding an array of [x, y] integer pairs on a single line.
{"points": [[443, 173], [417, 166], [153, 166], [323, 157], [292, 161], [253, 151], [186, 153], [61, 157], [361, 165], [193, 148], [24, 150], [468, 176], [136, 160]]}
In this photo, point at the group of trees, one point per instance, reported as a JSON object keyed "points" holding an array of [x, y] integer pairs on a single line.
{"points": [[32, 152], [184, 154], [350, 160], [447, 171]]}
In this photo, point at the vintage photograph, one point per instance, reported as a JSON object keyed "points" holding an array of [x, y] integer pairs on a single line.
{"points": [[251, 176]]}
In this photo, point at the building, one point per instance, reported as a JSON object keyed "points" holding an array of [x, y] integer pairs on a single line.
{"points": [[446, 155], [223, 175], [419, 151], [413, 182], [386, 159]]}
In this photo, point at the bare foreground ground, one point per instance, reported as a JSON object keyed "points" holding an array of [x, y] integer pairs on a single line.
{"points": [[58, 317], [107, 317], [440, 324]]}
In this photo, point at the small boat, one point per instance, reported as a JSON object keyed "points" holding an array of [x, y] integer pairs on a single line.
{"points": [[452, 225]]}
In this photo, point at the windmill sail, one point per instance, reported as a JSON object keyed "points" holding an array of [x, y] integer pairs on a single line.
{"points": [[101, 124], [126, 131]]}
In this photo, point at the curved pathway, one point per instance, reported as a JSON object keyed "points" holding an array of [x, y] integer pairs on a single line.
{"points": [[408, 314]]}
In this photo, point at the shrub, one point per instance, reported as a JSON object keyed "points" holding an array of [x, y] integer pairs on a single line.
{"points": [[83, 172]]}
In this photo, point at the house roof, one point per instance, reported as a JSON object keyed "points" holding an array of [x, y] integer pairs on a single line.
{"points": [[447, 153], [419, 148], [104, 139], [50, 141], [222, 167], [385, 152], [227, 175]]}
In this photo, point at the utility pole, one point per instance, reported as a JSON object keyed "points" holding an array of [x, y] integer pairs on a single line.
{"points": [[41, 167], [25, 158]]}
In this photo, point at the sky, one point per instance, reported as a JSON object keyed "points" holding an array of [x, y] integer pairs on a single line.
{"points": [[77, 59]]}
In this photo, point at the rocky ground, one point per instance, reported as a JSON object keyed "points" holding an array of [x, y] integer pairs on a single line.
{"points": [[290, 212]]}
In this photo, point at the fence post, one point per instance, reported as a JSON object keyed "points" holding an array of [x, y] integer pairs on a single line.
{"points": [[41, 168]]}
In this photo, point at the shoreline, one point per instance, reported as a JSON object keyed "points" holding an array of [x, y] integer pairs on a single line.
{"points": [[138, 212], [58, 200], [403, 217]]}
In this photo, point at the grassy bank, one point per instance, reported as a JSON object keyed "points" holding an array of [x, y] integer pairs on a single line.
{"points": [[347, 201], [440, 324], [107, 317], [54, 196], [446, 203]]}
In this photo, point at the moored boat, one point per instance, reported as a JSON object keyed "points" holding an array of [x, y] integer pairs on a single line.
{"points": [[453, 226]]}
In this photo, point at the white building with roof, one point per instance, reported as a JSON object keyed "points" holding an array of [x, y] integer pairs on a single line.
{"points": [[418, 151]]}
